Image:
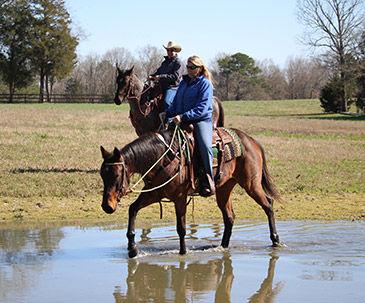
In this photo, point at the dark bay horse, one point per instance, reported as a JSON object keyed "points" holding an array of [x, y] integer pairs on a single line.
{"points": [[249, 171], [145, 102]]}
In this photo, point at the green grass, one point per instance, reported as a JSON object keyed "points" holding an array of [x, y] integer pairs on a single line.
{"points": [[50, 161]]}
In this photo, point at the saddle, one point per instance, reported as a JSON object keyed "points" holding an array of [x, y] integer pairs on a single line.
{"points": [[226, 146]]}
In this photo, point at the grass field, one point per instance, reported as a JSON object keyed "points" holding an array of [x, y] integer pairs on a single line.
{"points": [[50, 160]]}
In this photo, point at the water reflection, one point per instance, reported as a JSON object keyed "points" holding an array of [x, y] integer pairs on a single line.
{"points": [[92, 264], [267, 292], [190, 282], [32, 249]]}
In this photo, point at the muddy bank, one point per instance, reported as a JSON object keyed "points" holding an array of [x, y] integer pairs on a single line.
{"points": [[295, 207]]}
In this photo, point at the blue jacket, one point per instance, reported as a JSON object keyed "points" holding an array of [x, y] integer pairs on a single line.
{"points": [[193, 100]]}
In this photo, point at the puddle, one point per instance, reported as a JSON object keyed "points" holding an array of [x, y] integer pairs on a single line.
{"points": [[323, 262]]}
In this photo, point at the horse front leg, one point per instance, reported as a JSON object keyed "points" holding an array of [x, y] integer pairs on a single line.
{"points": [[132, 247], [142, 201]]}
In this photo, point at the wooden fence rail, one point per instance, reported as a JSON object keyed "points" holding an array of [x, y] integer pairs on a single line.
{"points": [[58, 98]]}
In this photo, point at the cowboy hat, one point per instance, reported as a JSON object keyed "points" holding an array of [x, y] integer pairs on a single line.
{"points": [[172, 45]]}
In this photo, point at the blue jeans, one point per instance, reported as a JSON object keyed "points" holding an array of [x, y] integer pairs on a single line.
{"points": [[203, 132], [168, 97]]}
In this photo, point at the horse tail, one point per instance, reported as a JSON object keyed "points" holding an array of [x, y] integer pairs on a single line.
{"points": [[266, 182], [220, 122]]}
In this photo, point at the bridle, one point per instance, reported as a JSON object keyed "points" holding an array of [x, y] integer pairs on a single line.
{"points": [[143, 109], [122, 187]]}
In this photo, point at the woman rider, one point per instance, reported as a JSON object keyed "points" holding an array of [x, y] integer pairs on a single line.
{"points": [[193, 104]]}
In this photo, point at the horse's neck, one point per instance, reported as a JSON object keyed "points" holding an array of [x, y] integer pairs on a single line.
{"points": [[143, 153], [138, 86], [135, 93]]}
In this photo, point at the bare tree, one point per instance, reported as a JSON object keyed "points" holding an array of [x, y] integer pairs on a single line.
{"points": [[218, 79], [86, 70], [120, 56], [305, 78], [333, 25], [150, 58], [274, 76]]}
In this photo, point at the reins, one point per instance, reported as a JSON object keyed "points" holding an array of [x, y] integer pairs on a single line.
{"points": [[138, 98], [133, 188], [182, 148]]}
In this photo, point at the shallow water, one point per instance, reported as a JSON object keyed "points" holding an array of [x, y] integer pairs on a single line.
{"points": [[323, 262]]}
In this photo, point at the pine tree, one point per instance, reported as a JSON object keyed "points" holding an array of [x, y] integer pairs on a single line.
{"points": [[16, 23], [53, 43]]}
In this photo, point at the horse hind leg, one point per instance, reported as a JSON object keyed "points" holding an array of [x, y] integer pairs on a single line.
{"points": [[225, 204], [270, 214], [257, 193]]}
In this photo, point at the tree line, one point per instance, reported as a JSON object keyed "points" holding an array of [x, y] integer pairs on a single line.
{"points": [[37, 51], [235, 77]]}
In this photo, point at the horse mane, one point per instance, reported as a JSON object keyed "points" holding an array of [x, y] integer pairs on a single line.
{"points": [[143, 152]]}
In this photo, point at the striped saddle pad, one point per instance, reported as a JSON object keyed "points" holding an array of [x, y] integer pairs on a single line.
{"points": [[226, 141]]}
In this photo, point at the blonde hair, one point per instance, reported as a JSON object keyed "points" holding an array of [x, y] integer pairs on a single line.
{"points": [[197, 61]]}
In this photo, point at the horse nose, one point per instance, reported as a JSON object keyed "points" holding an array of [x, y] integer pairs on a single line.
{"points": [[117, 99], [107, 208]]}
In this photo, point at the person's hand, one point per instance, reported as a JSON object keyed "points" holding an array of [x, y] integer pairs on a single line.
{"points": [[155, 79], [176, 119]]}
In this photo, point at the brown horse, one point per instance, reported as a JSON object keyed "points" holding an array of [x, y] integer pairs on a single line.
{"points": [[156, 151], [145, 102]]}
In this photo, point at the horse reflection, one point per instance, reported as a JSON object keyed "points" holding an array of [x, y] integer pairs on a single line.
{"points": [[187, 282], [267, 293]]}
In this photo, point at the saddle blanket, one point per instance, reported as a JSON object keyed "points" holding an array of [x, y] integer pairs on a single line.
{"points": [[232, 145]]}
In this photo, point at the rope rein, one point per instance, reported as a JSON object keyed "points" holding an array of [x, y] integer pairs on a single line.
{"points": [[133, 188], [182, 147], [138, 97]]}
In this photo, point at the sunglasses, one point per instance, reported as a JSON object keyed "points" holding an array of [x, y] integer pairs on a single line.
{"points": [[192, 67]]}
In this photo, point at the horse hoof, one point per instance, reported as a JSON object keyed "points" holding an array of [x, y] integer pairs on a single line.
{"points": [[279, 245], [132, 252], [182, 252]]}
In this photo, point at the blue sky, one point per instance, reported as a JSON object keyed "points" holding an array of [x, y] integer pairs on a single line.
{"points": [[262, 29]]}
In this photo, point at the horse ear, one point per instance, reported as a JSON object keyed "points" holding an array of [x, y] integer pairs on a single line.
{"points": [[117, 154], [104, 152], [118, 68], [131, 70]]}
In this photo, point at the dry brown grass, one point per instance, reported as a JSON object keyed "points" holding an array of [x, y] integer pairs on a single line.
{"points": [[50, 161]]}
